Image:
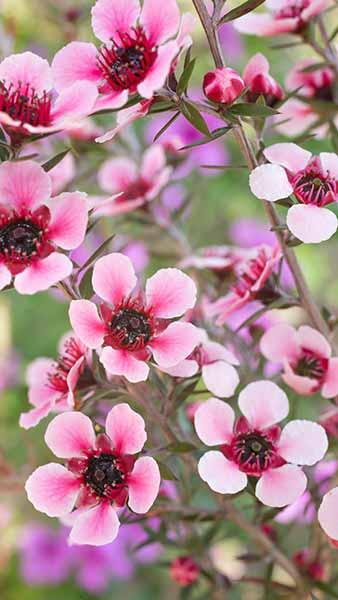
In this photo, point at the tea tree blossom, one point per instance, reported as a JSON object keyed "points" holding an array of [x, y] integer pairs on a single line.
{"points": [[223, 85], [101, 474], [255, 446], [259, 82], [129, 328]]}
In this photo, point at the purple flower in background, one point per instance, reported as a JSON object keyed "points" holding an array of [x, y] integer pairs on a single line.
{"points": [[45, 555], [231, 43], [138, 253]]}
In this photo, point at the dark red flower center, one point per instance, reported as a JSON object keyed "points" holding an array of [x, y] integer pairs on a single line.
{"points": [[313, 186], [70, 355], [136, 189], [293, 10], [128, 328], [103, 473], [23, 104], [126, 62], [311, 365], [250, 274]]}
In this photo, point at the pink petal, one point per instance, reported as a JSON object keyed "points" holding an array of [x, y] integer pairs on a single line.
{"points": [[120, 362], [75, 62], [116, 174], [158, 73], [74, 102], [153, 161], [160, 21], [125, 428], [86, 323], [175, 343], [303, 442], [95, 527], [112, 99], [109, 17], [329, 161], [263, 403], [281, 486], [270, 182], [42, 274], [144, 484], [264, 24], [170, 293], [213, 351], [220, 474], [72, 380], [314, 8], [27, 68], [280, 342], [288, 155], [70, 435], [114, 277], [34, 416], [330, 386], [257, 65], [24, 184], [302, 385], [214, 422], [327, 513], [311, 224], [311, 339], [187, 25], [5, 276], [52, 489], [186, 368], [69, 218], [37, 377], [220, 378]]}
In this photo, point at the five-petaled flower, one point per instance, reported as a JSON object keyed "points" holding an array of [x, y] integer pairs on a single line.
{"points": [[130, 327], [306, 358], [33, 225], [101, 474], [255, 446], [313, 180]]}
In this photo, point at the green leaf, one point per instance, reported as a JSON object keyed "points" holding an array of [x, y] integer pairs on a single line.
{"points": [[334, 136], [327, 588], [253, 110], [183, 391], [194, 117], [97, 252], [51, 163], [180, 447], [166, 472], [166, 125], [241, 10], [86, 287], [224, 167], [185, 77], [217, 133]]}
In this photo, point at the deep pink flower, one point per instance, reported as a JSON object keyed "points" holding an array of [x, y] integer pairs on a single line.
{"points": [[327, 514], [223, 85], [312, 567], [255, 446], [33, 226], [184, 570], [52, 384], [28, 104], [313, 180], [101, 474], [135, 56], [132, 187], [286, 16], [317, 83], [259, 82], [252, 283], [130, 327], [306, 358]]}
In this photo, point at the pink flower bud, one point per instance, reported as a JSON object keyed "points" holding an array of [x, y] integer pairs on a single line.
{"points": [[223, 85], [184, 570]]}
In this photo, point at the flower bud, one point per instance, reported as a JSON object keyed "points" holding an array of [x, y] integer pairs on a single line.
{"points": [[184, 570], [223, 85]]}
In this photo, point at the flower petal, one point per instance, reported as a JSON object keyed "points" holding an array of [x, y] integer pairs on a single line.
{"points": [[42, 274], [144, 484], [26, 68], [70, 435], [5, 276], [270, 182], [160, 21], [86, 323], [214, 422], [95, 527], [281, 486], [110, 17], [170, 293], [116, 174], [302, 385], [327, 513], [77, 61], [311, 339], [69, 218], [330, 386], [220, 474], [220, 378], [279, 343], [24, 184], [175, 343], [52, 489], [74, 103], [263, 403], [34, 416], [311, 224], [114, 277], [303, 442], [288, 155], [126, 429], [160, 70], [329, 162], [122, 362]]}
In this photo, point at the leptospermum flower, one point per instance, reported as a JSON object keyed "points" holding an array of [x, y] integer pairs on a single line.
{"points": [[312, 179], [136, 55], [222, 260], [259, 82], [255, 446], [129, 328], [327, 514], [101, 474], [52, 384], [285, 16], [28, 103], [33, 226], [132, 187], [223, 85], [252, 283], [306, 358]]}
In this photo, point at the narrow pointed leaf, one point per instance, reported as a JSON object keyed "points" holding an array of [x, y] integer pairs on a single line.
{"points": [[50, 164], [241, 10]]}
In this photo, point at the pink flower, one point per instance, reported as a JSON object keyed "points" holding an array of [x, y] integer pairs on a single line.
{"points": [[312, 179], [255, 446], [53, 384], [27, 103], [286, 16], [252, 283], [135, 56], [216, 364], [100, 476], [259, 81], [131, 327], [327, 514], [184, 570], [133, 187], [223, 85], [33, 226], [62, 174], [306, 358], [311, 567], [126, 117], [222, 260]]}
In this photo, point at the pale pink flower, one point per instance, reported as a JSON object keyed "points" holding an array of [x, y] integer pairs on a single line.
{"points": [[28, 104], [132, 186], [223, 85], [135, 56], [255, 446], [328, 512], [259, 82], [222, 260], [101, 474], [313, 180], [33, 226], [252, 283], [306, 358], [284, 16], [52, 384], [130, 327]]}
